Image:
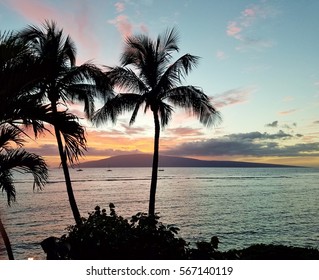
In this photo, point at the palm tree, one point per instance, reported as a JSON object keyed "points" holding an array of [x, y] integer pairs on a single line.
{"points": [[16, 159], [148, 77], [64, 81]]}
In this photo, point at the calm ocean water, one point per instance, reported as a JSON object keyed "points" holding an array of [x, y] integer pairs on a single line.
{"points": [[242, 206]]}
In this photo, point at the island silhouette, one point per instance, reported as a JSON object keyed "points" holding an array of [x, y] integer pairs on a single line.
{"points": [[145, 160]]}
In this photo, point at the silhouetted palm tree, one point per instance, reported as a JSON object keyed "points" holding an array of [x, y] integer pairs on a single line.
{"points": [[16, 159], [154, 81], [63, 81]]}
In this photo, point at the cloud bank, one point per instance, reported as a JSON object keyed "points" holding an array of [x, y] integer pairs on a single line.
{"points": [[255, 144]]}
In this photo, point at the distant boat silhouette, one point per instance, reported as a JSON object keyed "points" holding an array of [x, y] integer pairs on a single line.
{"points": [[79, 169], [160, 169]]}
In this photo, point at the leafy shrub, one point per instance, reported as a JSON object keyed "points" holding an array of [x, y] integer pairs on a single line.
{"points": [[103, 236]]}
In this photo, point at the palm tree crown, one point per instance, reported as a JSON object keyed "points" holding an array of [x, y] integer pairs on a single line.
{"points": [[147, 76], [63, 80]]}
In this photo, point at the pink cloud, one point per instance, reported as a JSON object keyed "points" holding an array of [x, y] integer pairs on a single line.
{"points": [[249, 12], [233, 29], [77, 25], [32, 9], [120, 7], [123, 25], [232, 97], [248, 21]]}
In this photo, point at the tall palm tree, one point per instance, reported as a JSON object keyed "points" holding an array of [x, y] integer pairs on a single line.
{"points": [[64, 81], [16, 159], [147, 76]]}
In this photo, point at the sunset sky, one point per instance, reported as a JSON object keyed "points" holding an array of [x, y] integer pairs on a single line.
{"points": [[259, 64]]}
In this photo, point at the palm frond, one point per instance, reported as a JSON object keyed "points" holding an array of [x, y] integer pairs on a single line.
{"points": [[135, 50], [26, 111], [6, 184], [115, 106], [126, 79], [84, 83], [167, 43], [73, 134], [165, 113], [9, 134], [176, 72], [24, 162], [195, 101]]}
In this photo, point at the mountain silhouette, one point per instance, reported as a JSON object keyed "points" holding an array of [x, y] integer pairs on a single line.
{"points": [[145, 160]]}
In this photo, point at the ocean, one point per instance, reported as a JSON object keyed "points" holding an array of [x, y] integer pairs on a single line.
{"points": [[242, 206]]}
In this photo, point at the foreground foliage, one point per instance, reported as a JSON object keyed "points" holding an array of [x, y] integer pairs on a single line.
{"points": [[109, 236], [103, 236]]}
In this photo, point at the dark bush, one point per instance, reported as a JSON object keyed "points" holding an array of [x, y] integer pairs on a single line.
{"points": [[103, 236]]}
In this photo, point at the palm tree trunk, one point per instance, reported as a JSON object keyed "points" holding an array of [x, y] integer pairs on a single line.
{"points": [[6, 241], [74, 207], [151, 210]]}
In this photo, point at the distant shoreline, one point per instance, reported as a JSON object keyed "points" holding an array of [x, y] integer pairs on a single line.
{"points": [[145, 160]]}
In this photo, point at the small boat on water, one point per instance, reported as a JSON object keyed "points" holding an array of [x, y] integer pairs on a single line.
{"points": [[79, 169], [160, 169]]}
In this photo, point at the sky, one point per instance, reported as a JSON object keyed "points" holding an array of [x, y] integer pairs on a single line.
{"points": [[259, 65]]}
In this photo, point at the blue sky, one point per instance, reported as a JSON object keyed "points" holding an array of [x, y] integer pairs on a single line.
{"points": [[259, 64]]}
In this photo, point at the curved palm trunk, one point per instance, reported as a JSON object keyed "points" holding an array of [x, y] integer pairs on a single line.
{"points": [[74, 207], [151, 209], [6, 241]]}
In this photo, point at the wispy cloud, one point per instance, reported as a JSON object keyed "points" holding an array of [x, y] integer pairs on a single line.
{"points": [[221, 55], [120, 7], [244, 27], [234, 30], [232, 97], [133, 130], [78, 23], [288, 112], [123, 25], [126, 27], [185, 131]]}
